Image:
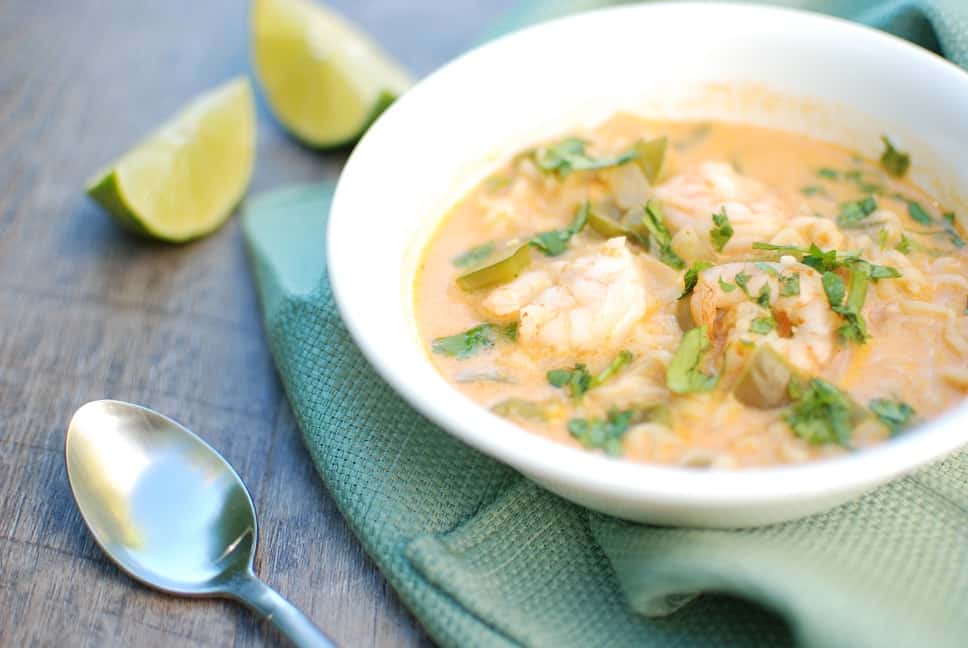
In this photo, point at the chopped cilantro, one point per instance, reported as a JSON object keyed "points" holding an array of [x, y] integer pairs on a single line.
{"points": [[916, 211], [828, 173], [569, 155], [896, 415], [470, 342], [816, 258], [813, 190], [555, 242], [575, 381], [602, 434], [950, 225], [691, 278], [763, 297], [654, 221], [854, 328], [762, 325], [578, 380], [669, 257], [722, 231], [884, 272], [790, 285], [820, 412], [861, 273], [726, 286], [834, 288], [824, 261], [895, 162], [474, 256], [904, 245], [853, 213], [742, 280], [683, 375]]}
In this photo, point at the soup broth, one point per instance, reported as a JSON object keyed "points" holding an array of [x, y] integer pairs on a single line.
{"points": [[701, 294]]}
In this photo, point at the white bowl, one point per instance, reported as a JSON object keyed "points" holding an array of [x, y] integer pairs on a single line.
{"points": [[791, 69]]}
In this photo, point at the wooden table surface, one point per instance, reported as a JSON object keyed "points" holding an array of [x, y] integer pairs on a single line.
{"points": [[88, 312]]}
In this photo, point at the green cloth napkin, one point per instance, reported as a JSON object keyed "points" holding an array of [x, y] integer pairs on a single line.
{"points": [[485, 558]]}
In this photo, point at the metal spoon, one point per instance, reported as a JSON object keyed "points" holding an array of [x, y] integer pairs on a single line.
{"points": [[170, 511]]}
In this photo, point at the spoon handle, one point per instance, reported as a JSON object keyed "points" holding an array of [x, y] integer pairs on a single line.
{"points": [[281, 613]]}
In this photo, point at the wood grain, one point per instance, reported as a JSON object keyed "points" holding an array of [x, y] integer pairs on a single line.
{"points": [[88, 312]]}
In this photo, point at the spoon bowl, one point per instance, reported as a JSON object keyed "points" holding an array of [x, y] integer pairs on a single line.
{"points": [[170, 511]]}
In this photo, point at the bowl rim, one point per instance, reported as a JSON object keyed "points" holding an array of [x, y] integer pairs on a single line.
{"points": [[594, 473]]}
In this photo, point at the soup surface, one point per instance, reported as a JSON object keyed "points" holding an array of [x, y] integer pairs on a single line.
{"points": [[702, 294]]}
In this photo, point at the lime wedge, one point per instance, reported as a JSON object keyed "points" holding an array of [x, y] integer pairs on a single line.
{"points": [[324, 79], [184, 180]]}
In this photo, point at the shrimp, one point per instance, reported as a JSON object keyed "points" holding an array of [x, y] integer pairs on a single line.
{"points": [[806, 327], [755, 212], [588, 303]]}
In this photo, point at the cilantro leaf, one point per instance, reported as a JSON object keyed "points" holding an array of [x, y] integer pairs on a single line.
{"points": [[834, 288], [825, 261], [819, 260], [830, 260], [854, 328], [813, 190], [904, 246], [853, 213], [474, 256], [722, 231], [820, 412], [473, 340], [896, 415], [762, 325], [575, 381], [949, 221], [654, 221], [916, 211], [763, 297], [669, 257], [742, 280], [578, 380], [691, 278], [683, 375], [884, 272], [790, 285], [828, 173], [895, 162], [569, 155], [555, 242], [726, 286], [599, 434]]}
